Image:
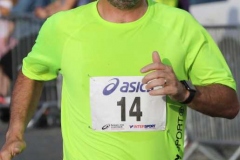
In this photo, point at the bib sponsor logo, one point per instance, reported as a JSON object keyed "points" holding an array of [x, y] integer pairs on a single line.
{"points": [[124, 87], [105, 126], [149, 126], [113, 127]]}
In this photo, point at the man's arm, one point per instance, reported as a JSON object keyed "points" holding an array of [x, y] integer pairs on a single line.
{"points": [[54, 7], [25, 98], [215, 100]]}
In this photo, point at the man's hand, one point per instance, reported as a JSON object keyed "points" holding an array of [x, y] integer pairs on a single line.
{"points": [[11, 148], [163, 80], [41, 13], [215, 100]]}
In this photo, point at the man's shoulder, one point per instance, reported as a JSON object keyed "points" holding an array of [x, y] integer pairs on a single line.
{"points": [[169, 16], [169, 11]]}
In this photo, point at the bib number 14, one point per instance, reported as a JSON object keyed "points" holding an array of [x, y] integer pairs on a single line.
{"points": [[135, 110]]}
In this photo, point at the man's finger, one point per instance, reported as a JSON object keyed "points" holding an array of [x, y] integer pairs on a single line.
{"points": [[18, 148], [15, 151], [156, 57], [155, 65]]}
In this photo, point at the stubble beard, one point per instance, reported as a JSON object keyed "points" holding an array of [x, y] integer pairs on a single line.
{"points": [[124, 4]]}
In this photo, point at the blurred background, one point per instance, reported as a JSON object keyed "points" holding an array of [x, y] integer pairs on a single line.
{"points": [[206, 138]]}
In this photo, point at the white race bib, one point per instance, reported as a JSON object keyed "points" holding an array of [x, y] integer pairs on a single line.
{"points": [[123, 104]]}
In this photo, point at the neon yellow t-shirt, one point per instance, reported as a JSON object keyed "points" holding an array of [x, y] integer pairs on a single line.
{"points": [[82, 46], [172, 3]]}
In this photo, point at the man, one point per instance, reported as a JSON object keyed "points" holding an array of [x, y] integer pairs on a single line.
{"points": [[122, 63]]}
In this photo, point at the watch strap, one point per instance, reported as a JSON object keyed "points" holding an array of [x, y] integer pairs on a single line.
{"points": [[191, 90], [190, 97]]}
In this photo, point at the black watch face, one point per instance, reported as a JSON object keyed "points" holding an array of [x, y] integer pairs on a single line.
{"points": [[189, 86]]}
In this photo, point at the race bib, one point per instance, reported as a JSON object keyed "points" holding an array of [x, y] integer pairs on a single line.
{"points": [[122, 104]]}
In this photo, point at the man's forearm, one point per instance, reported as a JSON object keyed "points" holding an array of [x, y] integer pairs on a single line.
{"points": [[216, 100], [25, 98]]}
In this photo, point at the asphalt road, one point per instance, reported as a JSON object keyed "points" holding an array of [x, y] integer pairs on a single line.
{"points": [[46, 144]]}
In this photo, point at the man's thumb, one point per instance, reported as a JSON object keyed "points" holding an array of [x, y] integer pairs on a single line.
{"points": [[18, 148], [156, 57]]}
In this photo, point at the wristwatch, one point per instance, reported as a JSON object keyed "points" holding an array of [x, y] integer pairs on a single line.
{"points": [[192, 90]]}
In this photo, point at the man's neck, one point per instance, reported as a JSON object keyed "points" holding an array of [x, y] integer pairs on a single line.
{"points": [[112, 14]]}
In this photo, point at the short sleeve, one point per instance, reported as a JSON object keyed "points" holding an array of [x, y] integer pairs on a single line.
{"points": [[44, 60], [205, 64]]}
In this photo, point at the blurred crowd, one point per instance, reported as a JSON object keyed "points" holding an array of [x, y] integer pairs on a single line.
{"points": [[38, 9]]}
